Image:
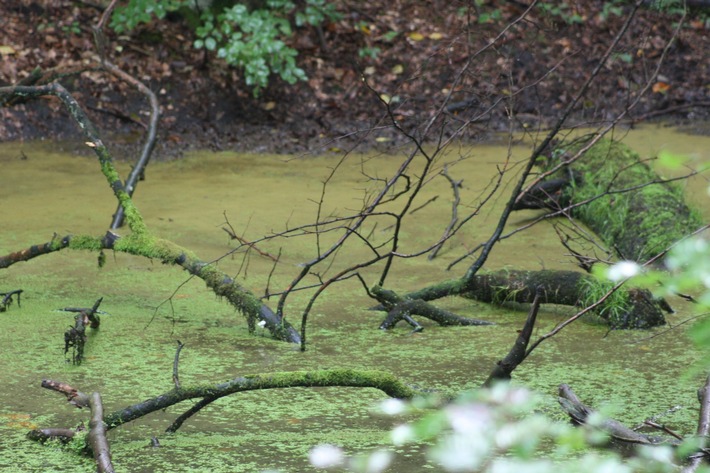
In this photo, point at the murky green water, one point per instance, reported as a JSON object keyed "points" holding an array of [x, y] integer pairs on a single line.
{"points": [[130, 358]]}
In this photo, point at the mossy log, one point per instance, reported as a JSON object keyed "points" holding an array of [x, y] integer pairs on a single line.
{"points": [[627, 204], [385, 382], [625, 308], [96, 442]]}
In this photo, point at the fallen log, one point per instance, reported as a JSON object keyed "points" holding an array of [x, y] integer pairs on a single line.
{"points": [[383, 381], [620, 436], [635, 212], [207, 393], [141, 241], [627, 308]]}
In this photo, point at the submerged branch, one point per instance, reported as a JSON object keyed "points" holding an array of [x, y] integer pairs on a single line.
{"points": [[620, 436], [703, 427], [170, 253], [7, 299]]}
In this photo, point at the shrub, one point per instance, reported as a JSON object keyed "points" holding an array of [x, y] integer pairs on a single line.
{"points": [[253, 39]]}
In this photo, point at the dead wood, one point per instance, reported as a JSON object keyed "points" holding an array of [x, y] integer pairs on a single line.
{"points": [[75, 337], [703, 429], [517, 354], [385, 382], [97, 443], [33, 251], [617, 194], [141, 242], [631, 308], [399, 309], [176, 361], [138, 171], [97, 436], [7, 299], [620, 436], [73, 395], [42, 435]]}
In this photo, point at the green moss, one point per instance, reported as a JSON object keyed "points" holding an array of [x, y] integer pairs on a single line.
{"points": [[625, 208], [132, 215], [85, 242]]}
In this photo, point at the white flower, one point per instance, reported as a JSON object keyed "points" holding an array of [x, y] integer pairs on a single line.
{"points": [[326, 456], [462, 452], [402, 434], [393, 407], [378, 461], [623, 270], [469, 418]]}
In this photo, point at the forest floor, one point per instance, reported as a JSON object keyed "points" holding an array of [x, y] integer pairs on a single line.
{"points": [[438, 64]]}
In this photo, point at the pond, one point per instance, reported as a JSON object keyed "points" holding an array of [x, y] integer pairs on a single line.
{"points": [[150, 306]]}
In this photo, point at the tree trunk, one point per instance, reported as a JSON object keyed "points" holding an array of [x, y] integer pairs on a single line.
{"points": [[627, 308]]}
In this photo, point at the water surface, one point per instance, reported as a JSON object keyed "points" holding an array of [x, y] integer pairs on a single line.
{"points": [[152, 305]]}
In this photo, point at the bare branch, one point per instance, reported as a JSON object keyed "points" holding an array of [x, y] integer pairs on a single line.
{"points": [[97, 436]]}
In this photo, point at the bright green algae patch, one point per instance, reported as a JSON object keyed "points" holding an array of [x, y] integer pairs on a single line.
{"points": [[638, 219]]}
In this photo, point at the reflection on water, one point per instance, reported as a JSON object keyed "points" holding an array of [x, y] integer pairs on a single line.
{"points": [[130, 359]]}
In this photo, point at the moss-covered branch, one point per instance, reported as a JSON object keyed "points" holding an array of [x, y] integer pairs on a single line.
{"points": [[615, 193], [140, 242], [143, 244], [625, 308], [133, 217], [385, 382]]}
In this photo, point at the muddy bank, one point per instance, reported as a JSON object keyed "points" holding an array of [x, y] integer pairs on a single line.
{"points": [[427, 65]]}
